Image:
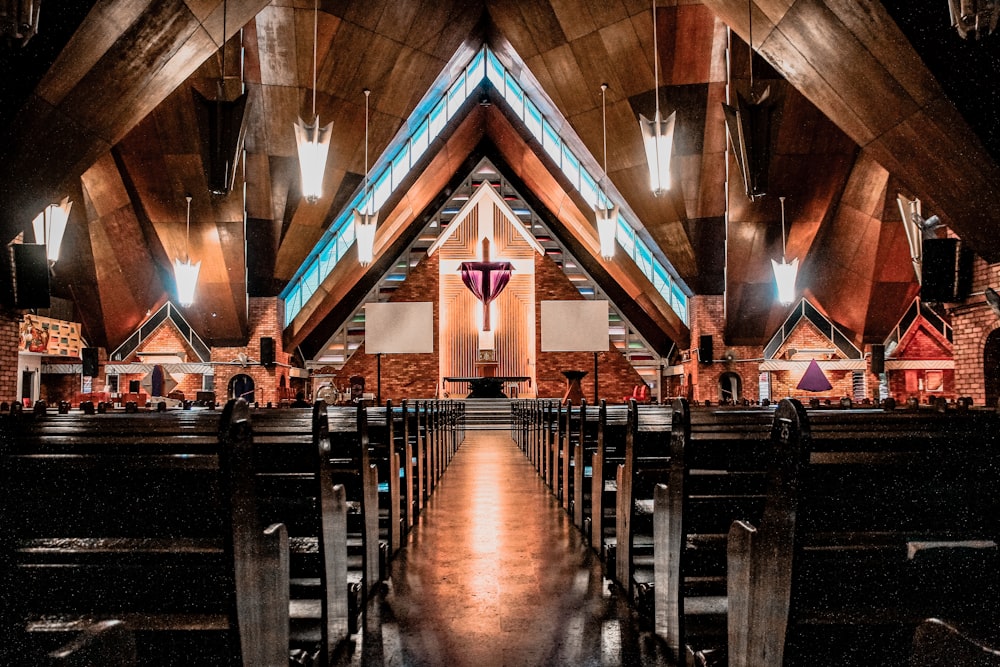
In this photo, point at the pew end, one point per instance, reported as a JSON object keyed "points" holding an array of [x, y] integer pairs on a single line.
{"points": [[938, 643]]}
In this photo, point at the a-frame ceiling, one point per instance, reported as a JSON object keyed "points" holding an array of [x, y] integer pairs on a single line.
{"points": [[857, 117]]}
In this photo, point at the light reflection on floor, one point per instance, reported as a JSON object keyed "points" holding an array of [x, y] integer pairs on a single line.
{"points": [[494, 574]]}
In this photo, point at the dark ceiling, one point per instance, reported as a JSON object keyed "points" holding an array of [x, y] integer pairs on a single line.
{"points": [[859, 105]]}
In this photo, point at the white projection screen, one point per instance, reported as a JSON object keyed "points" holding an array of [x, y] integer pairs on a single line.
{"points": [[575, 326], [399, 328]]}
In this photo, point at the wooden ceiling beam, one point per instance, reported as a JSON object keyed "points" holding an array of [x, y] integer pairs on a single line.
{"points": [[855, 65]]}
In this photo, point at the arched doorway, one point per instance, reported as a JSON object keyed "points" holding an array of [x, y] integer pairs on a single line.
{"points": [[241, 386], [991, 367], [730, 387]]}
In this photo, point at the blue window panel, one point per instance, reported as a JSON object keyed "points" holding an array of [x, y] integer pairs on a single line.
{"points": [[438, 118], [495, 71], [643, 257], [293, 304], [588, 188], [514, 95], [400, 166], [626, 236], [420, 141], [476, 71], [571, 167], [551, 142], [533, 119], [456, 95], [382, 189]]}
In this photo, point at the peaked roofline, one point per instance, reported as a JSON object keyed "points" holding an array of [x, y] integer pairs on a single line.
{"points": [[486, 192]]}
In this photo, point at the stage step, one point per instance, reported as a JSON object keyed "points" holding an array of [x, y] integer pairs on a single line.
{"points": [[483, 414]]}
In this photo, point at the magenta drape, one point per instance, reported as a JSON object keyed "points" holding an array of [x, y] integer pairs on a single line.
{"points": [[486, 280]]}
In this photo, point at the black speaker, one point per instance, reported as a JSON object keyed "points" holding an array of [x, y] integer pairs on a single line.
{"points": [[946, 271], [878, 359], [267, 351], [705, 354], [90, 365], [31, 276]]}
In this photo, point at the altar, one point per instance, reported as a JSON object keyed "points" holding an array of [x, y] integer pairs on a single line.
{"points": [[487, 387]]}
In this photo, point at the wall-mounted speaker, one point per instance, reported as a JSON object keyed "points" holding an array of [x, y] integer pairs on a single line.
{"points": [[705, 354], [267, 351], [31, 276], [946, 271], [878, 359], [90, 363]]}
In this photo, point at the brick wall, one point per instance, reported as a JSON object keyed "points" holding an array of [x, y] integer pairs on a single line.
{"points": [[9, 323], [922, 343], [783, 383], [616, 377], [415, 375], [407, 376], [265, 315], [707, 315], [972, 323]]}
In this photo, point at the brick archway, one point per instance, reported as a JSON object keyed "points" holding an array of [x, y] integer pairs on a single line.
{"points": [[241, 385], [991, 367]]}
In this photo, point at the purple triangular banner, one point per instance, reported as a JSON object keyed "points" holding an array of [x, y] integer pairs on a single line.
{"points": [[814, 379]]}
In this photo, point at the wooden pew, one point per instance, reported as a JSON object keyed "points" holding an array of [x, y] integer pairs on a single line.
{"points": [[645, 462], [584, 447], [150, 519], [612, 422], [295, 480], [873, 522], [715, 476]]}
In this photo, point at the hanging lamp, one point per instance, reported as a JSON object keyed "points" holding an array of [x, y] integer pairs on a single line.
{"points": [[186, 273], [49, 227], [312, 140], [607, 218], [784, 273], [749, 125], [366, 220], [658, 133]]}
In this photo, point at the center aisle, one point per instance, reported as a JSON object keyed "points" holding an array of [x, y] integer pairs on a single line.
{"points": [[495, 574]]}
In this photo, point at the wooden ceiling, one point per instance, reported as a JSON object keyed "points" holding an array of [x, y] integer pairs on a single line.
{"points": [[856, 116]]}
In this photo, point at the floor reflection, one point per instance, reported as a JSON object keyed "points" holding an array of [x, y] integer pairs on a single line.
{"points": [[494, 575]]}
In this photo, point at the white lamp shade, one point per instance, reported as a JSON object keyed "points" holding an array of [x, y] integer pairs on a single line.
{"points": [[607, 227], [364, 232], [313, 143], [658, 137], [50, 225], [186, 275], [784, 278]]}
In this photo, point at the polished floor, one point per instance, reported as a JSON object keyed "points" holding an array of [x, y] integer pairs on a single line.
{"points": [[495, 574]]}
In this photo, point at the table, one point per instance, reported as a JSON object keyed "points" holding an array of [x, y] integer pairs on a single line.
{"points": [[487, 387]]}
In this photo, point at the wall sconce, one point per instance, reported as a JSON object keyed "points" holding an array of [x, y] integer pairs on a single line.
{"points": [[313, 141], [366, 221], [784, 273], [186, 273], [50, 225], [658, 133]]}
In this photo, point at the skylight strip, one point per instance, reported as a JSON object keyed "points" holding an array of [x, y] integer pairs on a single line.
{"points": [[434, 113]]}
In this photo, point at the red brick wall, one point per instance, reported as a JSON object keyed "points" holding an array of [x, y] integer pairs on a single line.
{"points": [[616, 377], [407, 376], [783, 383], [415, 375], [264, 317], [59, 387], [707, 315], [9, 323], [972, 323], [922, 343]]}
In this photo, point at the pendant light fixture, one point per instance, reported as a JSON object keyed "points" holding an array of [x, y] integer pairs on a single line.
{"points": [[784, 273], [658, 133], [186, 273], [749, 125], [366, 220], [49, 227], [607, 218], [312, 140]]}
